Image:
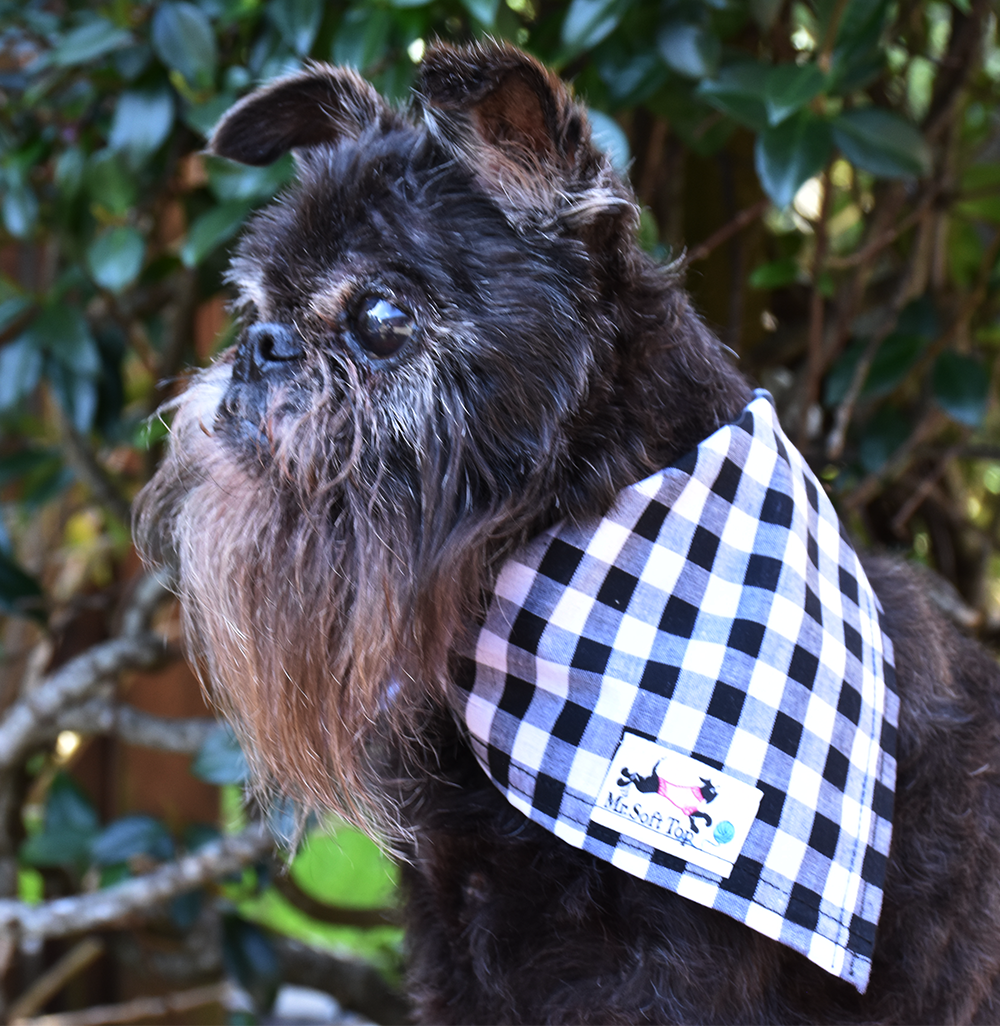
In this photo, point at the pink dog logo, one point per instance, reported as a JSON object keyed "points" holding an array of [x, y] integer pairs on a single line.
{"points": [[686, 797]]}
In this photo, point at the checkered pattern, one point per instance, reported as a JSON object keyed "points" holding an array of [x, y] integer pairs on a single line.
{"points": [[719, 610]]}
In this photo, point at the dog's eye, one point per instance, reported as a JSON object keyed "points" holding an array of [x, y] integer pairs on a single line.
{"points": [[382, 328]]}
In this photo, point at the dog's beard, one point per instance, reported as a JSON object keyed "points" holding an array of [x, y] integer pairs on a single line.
{"points": [[328, 552]]}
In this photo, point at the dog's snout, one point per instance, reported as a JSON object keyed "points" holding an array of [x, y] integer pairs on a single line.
{"points": [[269, 348]]}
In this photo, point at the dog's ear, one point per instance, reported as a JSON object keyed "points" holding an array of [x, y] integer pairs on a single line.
{"points": [[318, 105], [515, 125]]}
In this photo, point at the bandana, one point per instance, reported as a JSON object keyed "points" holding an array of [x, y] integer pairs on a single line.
{"points": [[697, 689]]}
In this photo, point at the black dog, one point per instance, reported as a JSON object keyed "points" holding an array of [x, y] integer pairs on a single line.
{"points": [[453, 343]]}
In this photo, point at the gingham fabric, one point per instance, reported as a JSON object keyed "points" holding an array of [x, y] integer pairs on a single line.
{"points": [[698, 690]]}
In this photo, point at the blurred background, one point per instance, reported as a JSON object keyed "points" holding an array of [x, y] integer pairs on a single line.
{"points": [[828, 171]]}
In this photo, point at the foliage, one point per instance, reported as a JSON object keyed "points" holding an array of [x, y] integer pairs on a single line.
{"points": [[828, 169]]}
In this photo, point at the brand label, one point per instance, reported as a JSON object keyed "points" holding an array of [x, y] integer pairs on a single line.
{"points": [[676, 804]]}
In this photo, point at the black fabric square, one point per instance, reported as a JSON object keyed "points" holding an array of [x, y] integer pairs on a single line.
{"points": [[728, 480], [889, 673], [463, 671], [849, 585], [659, 678], [811, 493], [852, 641], [560, 561], [803, 907], [591, 655], [603, 834], [661, 858], [715, 764], [743, 879], [835, 770], [499, 763], [814, 607], [763, 572], [771, 804], [726, 704], [516, 697], [616, 591], [882, 801], [812, 548], [779, 447], [679, 617], [548, 795], [571, 723], [527, 631], [704, 545], [803, 667], [786, 734], [688, 462], [824, 836], [849, 704], [777, 508], [873, 868], [746, 636], [887, 741], [861, 937], [649, 524]]}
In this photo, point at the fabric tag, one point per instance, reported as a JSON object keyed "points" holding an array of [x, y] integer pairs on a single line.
{"points": [[676, 804]]}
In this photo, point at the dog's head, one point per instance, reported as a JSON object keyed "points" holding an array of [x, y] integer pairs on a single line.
{"points": [[434, 342]]}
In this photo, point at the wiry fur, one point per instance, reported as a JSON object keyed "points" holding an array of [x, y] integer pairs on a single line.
{"points": [[336, 520]]}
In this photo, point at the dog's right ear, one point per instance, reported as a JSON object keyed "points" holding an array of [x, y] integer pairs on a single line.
{"points": [[318, 105]]}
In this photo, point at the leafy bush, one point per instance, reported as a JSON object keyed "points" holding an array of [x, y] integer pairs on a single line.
{"points": [[827, 169]]}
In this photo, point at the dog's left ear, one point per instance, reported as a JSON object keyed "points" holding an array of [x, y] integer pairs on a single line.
{"points": [[515, 125], [318, 105]]}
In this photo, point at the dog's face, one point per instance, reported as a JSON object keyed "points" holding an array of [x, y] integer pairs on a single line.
{"points": [[425, 340]]}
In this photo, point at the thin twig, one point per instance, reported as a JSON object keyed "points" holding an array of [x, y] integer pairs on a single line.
{"points": [[338, 915], [136, 1009], [82, 912], [744, 218], [46, 986], [924, 489]]}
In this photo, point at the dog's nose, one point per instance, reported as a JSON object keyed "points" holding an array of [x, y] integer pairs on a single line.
{"points": [[269, 348]]}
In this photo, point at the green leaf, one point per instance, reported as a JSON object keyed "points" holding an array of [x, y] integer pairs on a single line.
{"points": [[895, 358], [115, 258], [789, 88], [69, 171], [249, 958], [11, 309], [961, 386], [20, 211], [141, 124], [789, 154], [608, 136], [76, 393], [362, 37], [776, 274], [883, 435], [587, 22], [212, 230], [183, 39], [484, 11], [231, 181], [62, 330], [738, 91], [68, 826], [20, 371], [858, 56], [110, 183], [130, 836], [881, 142], [20, 594], [297, 21], [203, 117], [89, 41], [221, 760], [689, 49]]}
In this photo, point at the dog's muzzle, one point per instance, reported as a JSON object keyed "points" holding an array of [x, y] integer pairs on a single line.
{"points": [[268, 352]]}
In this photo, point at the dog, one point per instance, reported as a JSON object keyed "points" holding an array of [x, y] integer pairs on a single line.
{"points": [[460, 383]]}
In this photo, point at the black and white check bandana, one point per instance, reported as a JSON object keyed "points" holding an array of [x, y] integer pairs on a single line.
{"points": [[698, 690]]}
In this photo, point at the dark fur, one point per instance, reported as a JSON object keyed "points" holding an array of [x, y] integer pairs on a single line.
{"points": [[336, 519]]}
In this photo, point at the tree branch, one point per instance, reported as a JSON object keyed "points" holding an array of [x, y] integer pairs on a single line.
{"points": [[135, 727], [82, 912]]}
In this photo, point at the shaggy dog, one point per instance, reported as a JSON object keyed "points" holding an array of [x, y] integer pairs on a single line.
{"points": [[452, 346]]}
